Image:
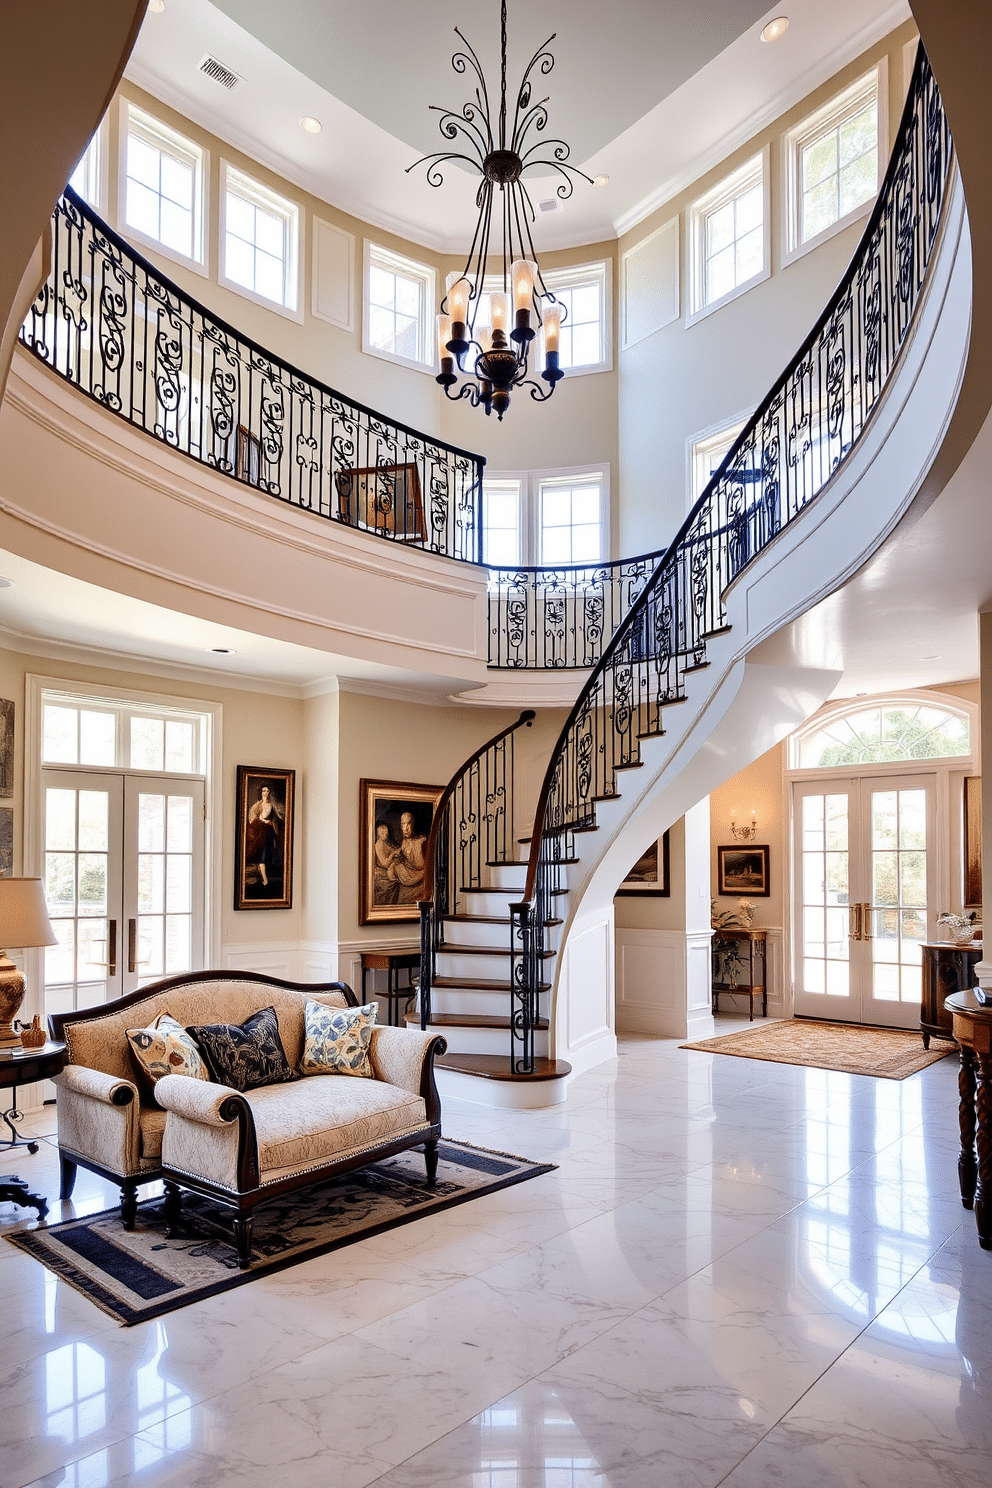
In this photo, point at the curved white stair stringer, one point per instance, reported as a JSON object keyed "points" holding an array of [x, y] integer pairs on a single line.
{"points": [[736, 709]]}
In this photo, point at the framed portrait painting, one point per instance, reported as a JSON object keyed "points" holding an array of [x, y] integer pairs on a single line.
{"points": [[743, 870], [394, 822], [263, 847], [650, 877]]}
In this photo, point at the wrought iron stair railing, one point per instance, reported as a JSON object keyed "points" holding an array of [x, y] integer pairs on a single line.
{"points": [[801, 434], [124, 334], [473, 830]]}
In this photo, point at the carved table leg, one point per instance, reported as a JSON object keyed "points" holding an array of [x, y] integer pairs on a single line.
{"points": [[983, 1192], [242, 1238], [926, 1041], [967, 1165]]}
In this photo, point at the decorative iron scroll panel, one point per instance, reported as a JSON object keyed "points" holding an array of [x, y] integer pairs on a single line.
{"points": [[797, 440], [561, 618], [109, 323]]}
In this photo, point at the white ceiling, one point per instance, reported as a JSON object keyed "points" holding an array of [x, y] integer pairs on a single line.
{"points": [[640, 95]]}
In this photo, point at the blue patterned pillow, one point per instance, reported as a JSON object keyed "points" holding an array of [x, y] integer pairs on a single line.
{"points": [[336, 1040], [244, 1055]]}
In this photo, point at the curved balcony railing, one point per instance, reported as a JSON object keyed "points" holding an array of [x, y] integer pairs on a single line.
{"points": [[801, 434], [117, 329]]}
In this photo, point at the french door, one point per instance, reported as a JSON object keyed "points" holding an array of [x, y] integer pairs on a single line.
{"points": [[124, 881], [864, 896]]}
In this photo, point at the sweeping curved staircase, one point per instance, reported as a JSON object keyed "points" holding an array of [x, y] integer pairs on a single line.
{"points": [[820, 475]]}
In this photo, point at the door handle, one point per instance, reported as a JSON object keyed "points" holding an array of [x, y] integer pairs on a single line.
{"points": [[854, 921], [110, 965], [866, 922], [132, 947]]}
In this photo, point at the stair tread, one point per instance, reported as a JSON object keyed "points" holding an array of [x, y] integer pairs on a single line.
{"points": [[480, 984], [493, 889], [467, 919], [468, 1020], [472, 950], [500, 1067]]}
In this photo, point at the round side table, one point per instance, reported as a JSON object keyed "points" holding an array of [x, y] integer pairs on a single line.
{"points": [[25, 1067]]}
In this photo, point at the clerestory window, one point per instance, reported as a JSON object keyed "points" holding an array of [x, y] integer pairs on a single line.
{"points": [[163, 187]]}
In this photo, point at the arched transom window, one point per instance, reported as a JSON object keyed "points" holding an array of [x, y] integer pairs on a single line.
{"points": [[885, 733]]}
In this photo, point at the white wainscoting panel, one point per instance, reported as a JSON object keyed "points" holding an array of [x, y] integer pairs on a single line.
{"points": [[275, 958], [663, 982], [584, 1003]]}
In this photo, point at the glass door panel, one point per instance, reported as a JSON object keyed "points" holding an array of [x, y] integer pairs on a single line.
{"points": [[164, 905], [823, 893], [901, 817], [82, 871]]}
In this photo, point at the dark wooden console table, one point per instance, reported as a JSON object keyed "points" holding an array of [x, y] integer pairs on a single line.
{"points": [[739, 966], [24, 1067], [947, 968], [972, 1027], [392, 959]]}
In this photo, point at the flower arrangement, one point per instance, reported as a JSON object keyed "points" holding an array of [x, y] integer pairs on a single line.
{"points": [[740, 918]]}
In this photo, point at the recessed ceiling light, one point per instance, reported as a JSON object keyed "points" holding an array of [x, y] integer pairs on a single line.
{"points": [[156, 6], [600, 180], [775, 28], [931, 658], [310, 124], [223, 651]]}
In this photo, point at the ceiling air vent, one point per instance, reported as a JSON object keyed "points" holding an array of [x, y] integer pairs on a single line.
{"points": [[554, 205], [220, 73]]}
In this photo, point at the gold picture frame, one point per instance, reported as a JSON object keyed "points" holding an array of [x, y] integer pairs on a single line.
{"points": [[394, 822], [385, 499]]}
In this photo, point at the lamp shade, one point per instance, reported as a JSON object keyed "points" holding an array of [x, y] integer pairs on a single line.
{"points": [[23, 913]]}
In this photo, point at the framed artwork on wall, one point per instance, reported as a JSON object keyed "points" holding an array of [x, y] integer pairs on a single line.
{"points": [[263, 846], [6, 841], [972, 841], [743, 870], [394, 822], [384, 499], [650, 877], [6, 747]]}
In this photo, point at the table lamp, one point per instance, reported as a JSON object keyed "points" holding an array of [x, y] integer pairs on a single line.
{"points": [[23, 922]]}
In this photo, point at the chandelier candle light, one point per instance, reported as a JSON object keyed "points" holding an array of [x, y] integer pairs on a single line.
{"points": [[483, 354]]}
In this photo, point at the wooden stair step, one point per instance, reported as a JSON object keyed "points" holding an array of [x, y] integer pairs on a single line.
{"points": [[494, 889], [467, 919], [471, 950], [468, 1020], [500, 1067], [480, 984]]}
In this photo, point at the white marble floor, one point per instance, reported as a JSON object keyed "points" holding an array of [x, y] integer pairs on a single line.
{"points": [[740, 1273]]}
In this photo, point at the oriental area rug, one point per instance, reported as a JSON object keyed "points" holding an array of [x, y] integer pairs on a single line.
{"points": [[139, 1275], [887, 1053]]}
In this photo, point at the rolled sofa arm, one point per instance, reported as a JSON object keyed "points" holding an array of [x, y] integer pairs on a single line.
{"points": [[209, 1132], [98, 1119], [405, 1057], [96, 1085]]}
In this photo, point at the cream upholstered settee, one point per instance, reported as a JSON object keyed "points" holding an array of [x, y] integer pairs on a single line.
{"points": [[238, 1148]]}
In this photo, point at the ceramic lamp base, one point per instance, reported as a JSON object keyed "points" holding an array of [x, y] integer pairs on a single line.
{"points": [[11, 997]]}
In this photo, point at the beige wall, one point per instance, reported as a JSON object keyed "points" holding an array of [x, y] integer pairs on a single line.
{"points": [[686, 379]]}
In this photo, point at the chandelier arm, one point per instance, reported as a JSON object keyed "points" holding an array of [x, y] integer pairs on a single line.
{"points": [[452, 122], [466, 390], [539, 394], [547, 61], [434, 177], [478, 276], [536, 116], [461, 64]]}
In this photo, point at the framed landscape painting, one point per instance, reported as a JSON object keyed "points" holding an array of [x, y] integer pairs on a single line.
{"points": [[650, 876], [743, 870], [394, 822], [263, 847]]}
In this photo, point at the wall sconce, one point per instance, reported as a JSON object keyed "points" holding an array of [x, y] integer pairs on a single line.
{"points": [[745, 833]]}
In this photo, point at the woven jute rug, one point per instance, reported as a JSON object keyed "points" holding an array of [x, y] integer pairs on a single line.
{"points": [[887, 1053], [140, 1274]]}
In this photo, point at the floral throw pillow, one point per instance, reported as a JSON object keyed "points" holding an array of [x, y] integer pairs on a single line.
{"points": [[165, 1048], [244, 1055], [336, 1040]]}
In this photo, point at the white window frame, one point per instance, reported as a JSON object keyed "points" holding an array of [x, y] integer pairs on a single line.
{"points": [[250, 189], [842, 106], [521, 479], [531, 482], [166, 138], [38, 690], [578, 276], [698, 449], [395, 263], [732, 185], [94, 161]]}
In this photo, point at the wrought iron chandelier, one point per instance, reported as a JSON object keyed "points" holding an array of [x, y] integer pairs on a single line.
{"points": [[494, 358]]}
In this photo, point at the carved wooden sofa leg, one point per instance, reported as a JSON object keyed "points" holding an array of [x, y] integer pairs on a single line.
{"points": [[430, 1157], [173, 1210], [68, 1171], [129, 1203], [243, 1224]]}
